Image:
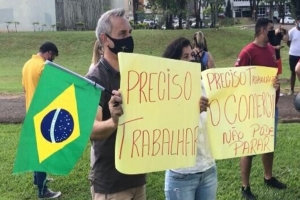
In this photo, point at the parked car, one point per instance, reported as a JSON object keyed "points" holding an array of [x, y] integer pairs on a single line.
{"points": [[221, 15], [206, 16], [183, 23], [203, 25], [288, 20], [150, 23]]}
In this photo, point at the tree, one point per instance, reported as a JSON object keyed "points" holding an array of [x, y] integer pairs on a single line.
{"points": [[281, 5], [197, 7], [216, 6], [135, 7], [253, 8], [181, 7], [151, 4], [228, 11], [53, 26], [44, 26], [271, 12], [16, 23], [296, 5], [169, 8], [7, 25], [35, 24]]}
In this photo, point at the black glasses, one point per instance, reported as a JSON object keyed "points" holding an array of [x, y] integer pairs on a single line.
{"points": [[196, 54]]}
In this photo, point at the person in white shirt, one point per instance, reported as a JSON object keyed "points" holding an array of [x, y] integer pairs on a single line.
{"points": [[294, 52], [200, 181]]}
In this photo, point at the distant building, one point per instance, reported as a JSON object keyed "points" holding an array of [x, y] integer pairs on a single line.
{"points": [[41, 13], [241, 8], [79, 14], [128, 6]]}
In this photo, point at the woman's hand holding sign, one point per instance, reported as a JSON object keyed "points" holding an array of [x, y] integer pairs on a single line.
{"points": [[276, 83], [203, 103]]}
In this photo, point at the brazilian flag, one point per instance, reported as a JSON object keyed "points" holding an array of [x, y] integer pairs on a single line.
{"points": [[58, 123]]}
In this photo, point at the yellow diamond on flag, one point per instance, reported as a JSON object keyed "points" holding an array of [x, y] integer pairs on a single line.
{"points": [[57, 124]]}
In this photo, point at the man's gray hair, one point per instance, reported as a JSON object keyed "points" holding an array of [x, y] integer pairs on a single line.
{"points": [[104, 24]]}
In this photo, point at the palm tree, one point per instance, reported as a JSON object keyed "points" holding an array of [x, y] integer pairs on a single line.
{"points": [[16, 23], [7, 25]]}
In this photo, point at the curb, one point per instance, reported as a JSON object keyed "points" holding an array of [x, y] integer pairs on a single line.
{"points": [[21, 120], [286, 121]]}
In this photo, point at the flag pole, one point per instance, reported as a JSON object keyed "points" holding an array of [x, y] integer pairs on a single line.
{"points": [[79, 76]]}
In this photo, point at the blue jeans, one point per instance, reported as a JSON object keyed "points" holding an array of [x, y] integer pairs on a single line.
{"points": [[199, 186], [39, 179]]}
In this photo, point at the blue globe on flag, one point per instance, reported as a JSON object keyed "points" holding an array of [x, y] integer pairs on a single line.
{"points": [[57, 126]]}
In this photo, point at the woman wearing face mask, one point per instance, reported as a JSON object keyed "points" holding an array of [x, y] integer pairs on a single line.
{"points": [[275, 38], [202, 55], [198, 182]]}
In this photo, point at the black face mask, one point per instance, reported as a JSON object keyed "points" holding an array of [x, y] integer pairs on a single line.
{"points": [[271, 35], [121, 45], [50, 59]]}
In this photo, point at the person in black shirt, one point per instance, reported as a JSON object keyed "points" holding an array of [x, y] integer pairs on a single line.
{"points": [[275, 41], [114, 34]]}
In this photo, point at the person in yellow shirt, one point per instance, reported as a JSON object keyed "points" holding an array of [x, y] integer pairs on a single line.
{"points": [[30, 76]]}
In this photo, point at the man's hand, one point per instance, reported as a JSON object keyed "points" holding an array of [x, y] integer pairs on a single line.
{"points": [[276, 83], [277, 47], [115, 106], [203, 103]]}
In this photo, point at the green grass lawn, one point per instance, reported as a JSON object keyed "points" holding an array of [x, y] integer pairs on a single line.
{"points": [[75, 51], [75, 186]]}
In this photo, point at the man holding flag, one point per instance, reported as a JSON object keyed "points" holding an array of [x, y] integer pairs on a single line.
{"points": [[30, 76], [114, 34]]}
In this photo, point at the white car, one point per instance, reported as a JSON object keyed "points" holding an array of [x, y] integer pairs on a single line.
{"points": [[183, 23], [288, 20], [148, 21]]}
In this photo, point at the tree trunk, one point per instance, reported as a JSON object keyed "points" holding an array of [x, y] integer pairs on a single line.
{"points": [[197, 14], [281, 11], [135, 5], [271, 10], [180, 21]]}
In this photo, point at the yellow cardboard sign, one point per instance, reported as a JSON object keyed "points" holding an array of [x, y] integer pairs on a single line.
{"points": [[242, 110], [159, 127]]}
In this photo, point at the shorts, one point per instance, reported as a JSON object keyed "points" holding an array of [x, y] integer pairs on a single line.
{"points": [[293, 62], [279, 65]]}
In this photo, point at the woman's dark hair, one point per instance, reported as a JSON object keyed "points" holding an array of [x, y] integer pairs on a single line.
{"points": [[174, 49]]}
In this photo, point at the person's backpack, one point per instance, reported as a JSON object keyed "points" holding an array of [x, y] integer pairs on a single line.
{"points": [[203, 65]]}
